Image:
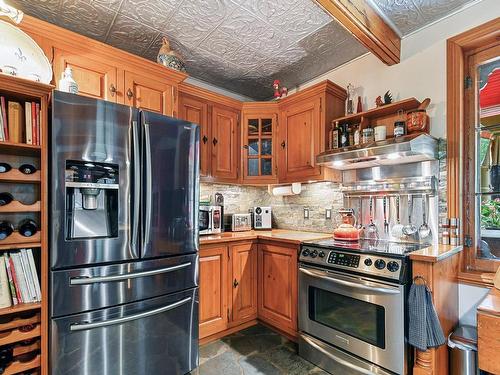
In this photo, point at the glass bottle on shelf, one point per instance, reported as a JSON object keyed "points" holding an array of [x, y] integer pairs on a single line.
{"points": [[357, 135], [335, 136], [344, 136]]}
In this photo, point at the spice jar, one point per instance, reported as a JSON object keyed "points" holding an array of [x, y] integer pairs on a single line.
{"points": [[399, 129], [368, 135]]}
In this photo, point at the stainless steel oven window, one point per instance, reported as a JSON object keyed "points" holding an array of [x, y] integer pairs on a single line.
{"points": [[360, 319]]}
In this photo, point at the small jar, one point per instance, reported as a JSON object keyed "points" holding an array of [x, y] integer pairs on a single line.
{"points": [[444, 223], [399, 129], [368, 135], [357, 136], [445, 238]]}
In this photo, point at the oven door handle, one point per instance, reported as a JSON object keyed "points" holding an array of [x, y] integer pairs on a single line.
{"points": [[323, 276]]}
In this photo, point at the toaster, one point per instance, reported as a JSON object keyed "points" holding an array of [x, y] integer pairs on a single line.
{"points": [[238, 222], [262, 218]]}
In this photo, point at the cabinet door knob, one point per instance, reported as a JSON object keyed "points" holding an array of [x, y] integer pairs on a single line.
{"points": [[283, 144], [130, 94], [215, 141], [204, 139], [235, 283], [112, 89]]}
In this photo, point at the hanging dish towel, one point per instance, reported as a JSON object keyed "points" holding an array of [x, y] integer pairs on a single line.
{"points": [[424, 327]]}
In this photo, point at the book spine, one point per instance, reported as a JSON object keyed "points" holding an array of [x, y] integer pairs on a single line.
{"points": [[27, 276], [29, 138], [5, 300], [38, 132], [33, 123], [4, 114], [13, 291], [34, 275], [16, 277], [21, 278], [2, 132]]}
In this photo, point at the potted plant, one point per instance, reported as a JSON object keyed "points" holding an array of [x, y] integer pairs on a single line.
{"points": [[490, 218]]}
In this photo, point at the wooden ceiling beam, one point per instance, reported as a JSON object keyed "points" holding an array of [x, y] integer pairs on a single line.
{"points": [[367, 26]]}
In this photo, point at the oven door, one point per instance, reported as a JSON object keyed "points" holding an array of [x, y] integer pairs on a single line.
{"points": [[360, 316], [205, 220]]}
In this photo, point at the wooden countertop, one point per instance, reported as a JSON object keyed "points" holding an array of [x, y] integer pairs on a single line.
{"points": [[290, 236], [435, 254], [491, 303]]}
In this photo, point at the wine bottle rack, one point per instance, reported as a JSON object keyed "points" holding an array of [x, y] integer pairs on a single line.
{"points": [[15, 335], [16, 206]]}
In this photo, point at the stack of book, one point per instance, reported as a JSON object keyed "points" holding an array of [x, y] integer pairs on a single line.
{"points": [[18, 278], [19, 125]]}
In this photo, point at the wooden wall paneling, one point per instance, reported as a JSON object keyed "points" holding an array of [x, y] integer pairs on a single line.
{"points": [[213, 290], [196, 110], [366, 25], [243, 282]]}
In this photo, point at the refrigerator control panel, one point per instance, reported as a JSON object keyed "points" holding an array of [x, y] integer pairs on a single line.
{"points": [[90, 173]]}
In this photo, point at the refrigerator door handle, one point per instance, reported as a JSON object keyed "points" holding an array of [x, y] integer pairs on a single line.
{"points": [[106, 279], [136, 184], [85, 326], [148, 184]]}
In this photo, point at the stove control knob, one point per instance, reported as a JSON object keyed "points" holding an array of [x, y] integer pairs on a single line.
{"points": [[380, 264], [321, 254], [305, 252], [368, 262], [314, 254], [393, 266]]}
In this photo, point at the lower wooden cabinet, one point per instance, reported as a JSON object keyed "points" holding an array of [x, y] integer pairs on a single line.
{"points": [[228, 287], [277, 287]]}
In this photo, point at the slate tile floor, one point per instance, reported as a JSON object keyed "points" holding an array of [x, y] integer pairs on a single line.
{"points": [[254, 351]]}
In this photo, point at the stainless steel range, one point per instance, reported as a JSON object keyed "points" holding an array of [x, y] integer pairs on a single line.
{"points": [[352, 306]]}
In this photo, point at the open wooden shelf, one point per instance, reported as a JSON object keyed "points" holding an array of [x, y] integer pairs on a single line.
{"points": [[16, 206], [23, 245], [385, 110], [23, 349], [20, 322], [18, 240], [15, 175], [16, 335], [19, 148], [20, 308], [17, 366]]}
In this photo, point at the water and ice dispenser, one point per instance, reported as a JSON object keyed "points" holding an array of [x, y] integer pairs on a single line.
{"points": [[91, 199]]}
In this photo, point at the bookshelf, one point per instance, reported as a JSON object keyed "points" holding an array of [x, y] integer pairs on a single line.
{"points": [[24, 327]]}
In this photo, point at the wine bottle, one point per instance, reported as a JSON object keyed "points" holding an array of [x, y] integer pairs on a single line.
{"points": [[5, 198], [5, 167], [27, 228], [27, 169], [6, 229]]}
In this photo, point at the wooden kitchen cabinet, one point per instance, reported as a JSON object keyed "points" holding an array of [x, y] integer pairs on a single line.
{"points": [[225, 142], [258, 138], [213, 310], [244, 282], [195, 110], [150, 93], [277, 287], [95, 78]]}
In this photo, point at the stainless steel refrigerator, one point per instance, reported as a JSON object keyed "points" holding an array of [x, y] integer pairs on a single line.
{"points": [[123, 240]]}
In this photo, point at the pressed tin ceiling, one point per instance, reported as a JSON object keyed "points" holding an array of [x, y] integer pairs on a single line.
{"points": [[240, 45]]}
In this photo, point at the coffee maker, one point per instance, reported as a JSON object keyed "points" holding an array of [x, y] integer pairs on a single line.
{"points": [[91, 200]]}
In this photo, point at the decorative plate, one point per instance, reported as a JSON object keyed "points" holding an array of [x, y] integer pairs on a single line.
{"points": [[21, 56]]}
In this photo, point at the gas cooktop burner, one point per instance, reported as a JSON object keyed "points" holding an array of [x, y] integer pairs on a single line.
{"points": [[368, 246]]}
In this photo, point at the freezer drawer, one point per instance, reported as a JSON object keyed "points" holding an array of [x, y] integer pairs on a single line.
{"points": [[154, 336], [90, 288]]}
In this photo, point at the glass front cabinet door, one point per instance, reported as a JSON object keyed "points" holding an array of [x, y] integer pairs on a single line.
{"points": [[259, 156]]}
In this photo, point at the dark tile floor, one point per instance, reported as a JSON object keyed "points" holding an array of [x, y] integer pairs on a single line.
{"points": [[254, 351]]}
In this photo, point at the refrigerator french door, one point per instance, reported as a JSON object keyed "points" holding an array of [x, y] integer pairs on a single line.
{"points": [[124, 239]]}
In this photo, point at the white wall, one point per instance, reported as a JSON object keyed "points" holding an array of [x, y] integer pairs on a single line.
{"points": [[469, 298], [422, 70]]}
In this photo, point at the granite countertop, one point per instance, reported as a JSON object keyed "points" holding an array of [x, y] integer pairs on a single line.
{"points": [[491, 303], [282, 235], [435, 254]]}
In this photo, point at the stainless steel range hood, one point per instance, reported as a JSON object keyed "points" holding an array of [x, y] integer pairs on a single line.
{"points": [[403, 150]]}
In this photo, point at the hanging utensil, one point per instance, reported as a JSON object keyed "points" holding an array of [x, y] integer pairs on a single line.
{"points": [[360, 214], [410, 229], [386, 224], [397, 229], [424, 230], [372, 231]]}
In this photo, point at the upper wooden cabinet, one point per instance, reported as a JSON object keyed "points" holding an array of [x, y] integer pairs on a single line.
{"points": [[150, 93], [258, 138], [305, 118], [95, 79], [195, 110], [225, 150]]}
